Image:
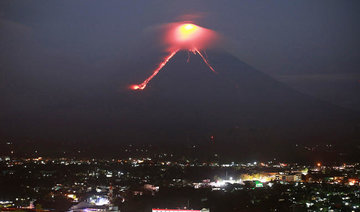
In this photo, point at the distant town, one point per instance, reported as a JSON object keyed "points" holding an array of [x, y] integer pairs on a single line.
{"points": [[167, 182]]}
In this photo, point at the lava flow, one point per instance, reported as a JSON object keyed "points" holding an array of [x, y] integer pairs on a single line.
{"points": [[205, 60], [188, 37], [142, 86]]}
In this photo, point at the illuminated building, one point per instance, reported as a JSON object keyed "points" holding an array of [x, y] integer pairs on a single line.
{"points": [[94, 203], [179, 210], [291, 178]]}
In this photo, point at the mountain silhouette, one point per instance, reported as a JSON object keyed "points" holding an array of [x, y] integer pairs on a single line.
{"points": [[240, 107], [238, 104]]}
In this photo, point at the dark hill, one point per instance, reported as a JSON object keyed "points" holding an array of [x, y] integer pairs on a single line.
{"points": [[241, 107], [239, 104]]}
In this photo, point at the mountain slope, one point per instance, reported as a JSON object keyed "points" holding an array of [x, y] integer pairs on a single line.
{"points": [[239, 103], [186, 102]]}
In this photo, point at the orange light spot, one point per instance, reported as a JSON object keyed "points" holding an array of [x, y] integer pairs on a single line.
{"points": [[134, 87], [187, 32]]}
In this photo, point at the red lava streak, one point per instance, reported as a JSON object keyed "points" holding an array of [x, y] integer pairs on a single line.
{"points": [[182, 36], [143, 85], [205, 60]]}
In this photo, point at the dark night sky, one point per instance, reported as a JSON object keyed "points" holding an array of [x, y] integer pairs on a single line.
{"points": [[55, 54]]}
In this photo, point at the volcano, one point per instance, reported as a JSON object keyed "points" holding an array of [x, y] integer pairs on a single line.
{"points": [[234, 108], [237, 105]]}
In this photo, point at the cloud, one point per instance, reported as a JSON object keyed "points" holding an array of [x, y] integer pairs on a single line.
{"points": [[14, 29], [326, 77]]}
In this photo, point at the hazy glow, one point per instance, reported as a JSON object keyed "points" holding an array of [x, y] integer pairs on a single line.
{"points": [[186, 32], [188, 36]]}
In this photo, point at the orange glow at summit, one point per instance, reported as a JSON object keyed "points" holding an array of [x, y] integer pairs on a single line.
{"points": [[186, 32], [183, 36]]}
